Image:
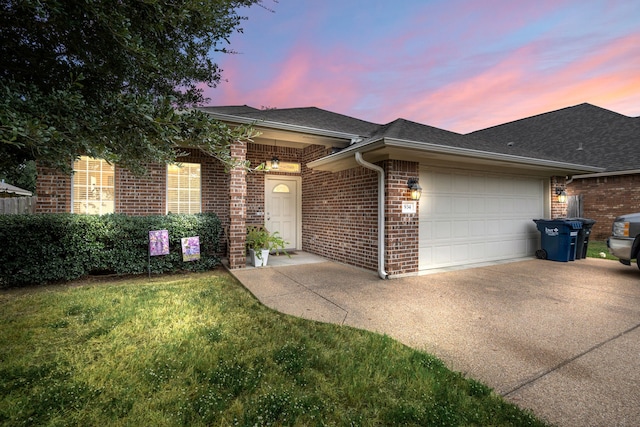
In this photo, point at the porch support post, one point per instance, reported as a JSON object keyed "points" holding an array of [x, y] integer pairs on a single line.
{"points": [[238, 208]]}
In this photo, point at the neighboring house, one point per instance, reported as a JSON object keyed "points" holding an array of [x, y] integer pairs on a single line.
{"points": [[8, 190], [585, 134], [341, 190], [15, 200]]}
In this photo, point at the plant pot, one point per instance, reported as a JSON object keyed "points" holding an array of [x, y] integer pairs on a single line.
{"points": [[256, 261]]}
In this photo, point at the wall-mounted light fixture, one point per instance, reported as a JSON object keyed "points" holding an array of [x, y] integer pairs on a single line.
{"points": [[562, 195], [275, 162], [416, 190]]}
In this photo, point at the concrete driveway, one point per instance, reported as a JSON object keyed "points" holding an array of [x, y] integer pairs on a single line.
{"points": [[562, 339]]}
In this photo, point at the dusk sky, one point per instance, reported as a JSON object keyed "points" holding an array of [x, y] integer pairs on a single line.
{"points": [[460, 65]]}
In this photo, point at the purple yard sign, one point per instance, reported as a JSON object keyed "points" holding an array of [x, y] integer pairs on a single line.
{"points": [[190, 248], [159, 242]]}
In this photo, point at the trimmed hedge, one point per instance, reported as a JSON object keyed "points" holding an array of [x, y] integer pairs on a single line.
{"points": [[45, 248]]}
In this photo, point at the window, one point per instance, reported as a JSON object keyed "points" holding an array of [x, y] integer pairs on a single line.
{"points": [[93, 188], [281, 188], [183, 188]]}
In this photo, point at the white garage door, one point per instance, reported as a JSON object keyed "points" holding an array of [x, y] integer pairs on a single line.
{"points": [[474, 217]]}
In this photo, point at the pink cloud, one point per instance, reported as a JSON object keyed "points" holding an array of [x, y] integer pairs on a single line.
{"points": [[514, 88]]}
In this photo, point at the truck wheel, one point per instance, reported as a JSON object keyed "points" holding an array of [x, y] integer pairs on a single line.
{"points": [[638, 261]]}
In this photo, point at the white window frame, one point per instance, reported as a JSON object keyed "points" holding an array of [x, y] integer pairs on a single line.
{"points": [[184, 189], [100, 190]]}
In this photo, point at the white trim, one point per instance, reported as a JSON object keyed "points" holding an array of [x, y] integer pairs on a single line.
{"points": [[282, 126], [445, 149], [166, 185], [603, 174]]}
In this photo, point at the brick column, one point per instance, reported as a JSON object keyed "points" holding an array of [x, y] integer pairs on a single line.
{"points": [[238, 208], [558, 210], [402, 232]]}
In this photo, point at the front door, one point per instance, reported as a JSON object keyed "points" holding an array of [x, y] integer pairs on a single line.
{"points": [[282, 208]]}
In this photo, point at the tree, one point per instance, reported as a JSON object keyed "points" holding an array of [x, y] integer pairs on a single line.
{"points": [[114, 79]]}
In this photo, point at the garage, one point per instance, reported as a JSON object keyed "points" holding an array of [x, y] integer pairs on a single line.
{"points": [[471, 217]]}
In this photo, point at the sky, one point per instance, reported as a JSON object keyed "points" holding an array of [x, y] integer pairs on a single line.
{"points": [[460, 65]]}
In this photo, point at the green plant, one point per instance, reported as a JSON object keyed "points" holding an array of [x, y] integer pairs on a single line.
{"points": [[259, 238], [46, 248], [199, 350]]}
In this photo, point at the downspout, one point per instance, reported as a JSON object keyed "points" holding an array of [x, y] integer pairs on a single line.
{"points": [[381, 248]]}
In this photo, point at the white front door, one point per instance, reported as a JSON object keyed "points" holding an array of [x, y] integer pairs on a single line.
{"points": [[282, 208]]}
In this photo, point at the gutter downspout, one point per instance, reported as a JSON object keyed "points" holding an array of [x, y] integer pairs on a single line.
{"points": [[381, 248]]}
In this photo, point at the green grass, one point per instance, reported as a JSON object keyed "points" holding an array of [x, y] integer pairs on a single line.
{"points": [[199, 350], [595, 247]]}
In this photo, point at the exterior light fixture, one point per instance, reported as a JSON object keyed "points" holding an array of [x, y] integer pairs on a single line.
{"points": [[562, 195], [416, 190], [275, 162]]}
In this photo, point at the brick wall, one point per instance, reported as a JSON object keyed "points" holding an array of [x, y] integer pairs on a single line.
{"points": [[339, 210], [605, 198], [141, 195], [53, 190], [339, 213], [558, 210], [402, 236], [237, 229]]}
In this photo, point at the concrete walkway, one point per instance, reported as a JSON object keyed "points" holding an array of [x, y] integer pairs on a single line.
{"points": [[562, 339]]}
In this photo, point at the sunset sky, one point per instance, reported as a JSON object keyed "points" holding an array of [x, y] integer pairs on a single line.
{"points": [[460, 65]]}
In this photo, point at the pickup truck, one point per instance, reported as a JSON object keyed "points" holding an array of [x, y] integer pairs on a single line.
{"points": [[624, 242]]}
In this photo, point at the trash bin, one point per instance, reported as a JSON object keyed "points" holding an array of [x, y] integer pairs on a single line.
{"points": [[558, 239], [582, 242]]}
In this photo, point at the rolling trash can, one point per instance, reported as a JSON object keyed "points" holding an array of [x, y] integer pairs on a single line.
{"points": [[558, 239], [582, 243]]}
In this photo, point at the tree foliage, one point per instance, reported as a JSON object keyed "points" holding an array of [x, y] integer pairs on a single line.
{"points": [[116, 80]]}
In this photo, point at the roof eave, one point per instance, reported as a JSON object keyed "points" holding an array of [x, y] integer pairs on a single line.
{"points": [[282, 126], [327, 163], [609, 173]]}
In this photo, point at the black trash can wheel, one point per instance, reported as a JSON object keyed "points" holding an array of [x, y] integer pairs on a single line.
{"points": [[541, 254]]}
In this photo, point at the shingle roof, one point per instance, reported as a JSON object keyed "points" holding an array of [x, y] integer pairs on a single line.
{"points": [[411, 131], [582, 134], [311, 117]]}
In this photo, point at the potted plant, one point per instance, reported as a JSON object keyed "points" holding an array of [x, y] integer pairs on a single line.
{"points": [[260, 243]]}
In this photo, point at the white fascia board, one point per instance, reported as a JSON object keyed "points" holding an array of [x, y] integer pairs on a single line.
{"points": [[282, 126], [487, 155], [603, 174], [456, 151]]}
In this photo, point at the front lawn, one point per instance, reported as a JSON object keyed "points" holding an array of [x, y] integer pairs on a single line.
{"points": [[198, 350]]}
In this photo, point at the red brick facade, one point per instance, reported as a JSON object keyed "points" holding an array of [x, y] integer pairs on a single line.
{"points": [[339, 213], [237, 230], [53, 190], [558, 210], [339, 210], [402, 237], [605, 198]]}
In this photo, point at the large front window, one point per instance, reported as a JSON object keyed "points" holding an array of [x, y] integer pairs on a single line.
{"points": [[183, 188], [93, 186]]}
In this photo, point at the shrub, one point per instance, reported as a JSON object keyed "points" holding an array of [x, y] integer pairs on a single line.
{"points": [[44, 248]]}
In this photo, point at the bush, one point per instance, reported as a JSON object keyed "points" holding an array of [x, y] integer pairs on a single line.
{"points": [[46, 248]]}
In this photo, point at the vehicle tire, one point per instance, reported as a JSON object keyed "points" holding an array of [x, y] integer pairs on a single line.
{"points": [[638, 261], [542, 254]]}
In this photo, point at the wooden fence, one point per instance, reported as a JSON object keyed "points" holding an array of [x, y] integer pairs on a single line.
{"points": [[17, 205]]}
